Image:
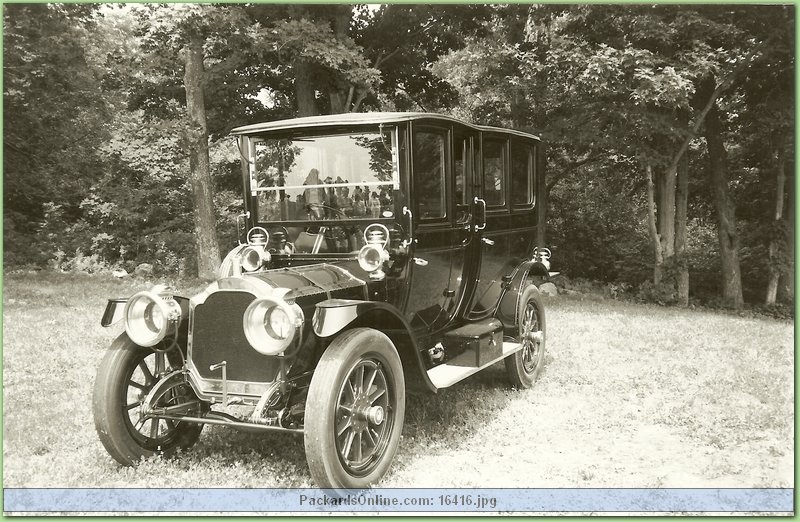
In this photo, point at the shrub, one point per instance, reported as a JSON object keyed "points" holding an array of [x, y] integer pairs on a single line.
{"points": [[663, 293]]}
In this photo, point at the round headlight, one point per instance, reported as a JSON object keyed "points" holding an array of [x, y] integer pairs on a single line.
{"points": [[270, 325], [371, 257], [254, 257], [278, 323], [148, 317]]}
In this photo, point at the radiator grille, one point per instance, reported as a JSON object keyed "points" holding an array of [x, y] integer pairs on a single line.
{"points": [[218, 335]]}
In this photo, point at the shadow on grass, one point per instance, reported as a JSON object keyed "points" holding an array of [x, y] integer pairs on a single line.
{"points": [[446, 420], [433, 423], [229, 444]]}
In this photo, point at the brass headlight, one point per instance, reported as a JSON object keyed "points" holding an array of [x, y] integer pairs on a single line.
{"points": [[254, 257], [149, 317], [270, 324], [371, 257]]}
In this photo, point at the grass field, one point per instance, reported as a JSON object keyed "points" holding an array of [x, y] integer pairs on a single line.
{"points": [[631, 396]]}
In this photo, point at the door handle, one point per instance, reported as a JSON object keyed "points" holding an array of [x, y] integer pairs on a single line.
{"points": [[407, 213], [481, 214], [488, 241]]}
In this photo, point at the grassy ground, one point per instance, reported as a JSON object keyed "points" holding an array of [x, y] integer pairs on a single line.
{"points": [[631, 396]]}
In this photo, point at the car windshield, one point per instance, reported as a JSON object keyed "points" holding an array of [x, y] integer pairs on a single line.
{"points": [[327, 177]]}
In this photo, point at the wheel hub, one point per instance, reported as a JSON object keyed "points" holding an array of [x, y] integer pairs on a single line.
{"points": [[364, 414], [375, 415]]}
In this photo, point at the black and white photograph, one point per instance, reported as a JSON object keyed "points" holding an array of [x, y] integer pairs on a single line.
{"points": [[398, 258]]}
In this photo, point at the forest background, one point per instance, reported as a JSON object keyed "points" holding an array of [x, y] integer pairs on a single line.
{"points": [[669, 128]]}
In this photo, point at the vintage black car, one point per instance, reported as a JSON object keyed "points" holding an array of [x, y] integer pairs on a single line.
{"points": [[378, 252]]}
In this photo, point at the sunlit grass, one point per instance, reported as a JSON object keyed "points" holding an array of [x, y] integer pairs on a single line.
{"points": [[631, 396]]}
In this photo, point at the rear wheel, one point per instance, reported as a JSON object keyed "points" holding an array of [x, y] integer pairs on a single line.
{"points": [[354, 411], [126, 375], [524, 366]]}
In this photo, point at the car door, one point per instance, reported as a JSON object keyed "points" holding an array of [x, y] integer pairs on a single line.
{"points": [[491, 235], [441, 228]]}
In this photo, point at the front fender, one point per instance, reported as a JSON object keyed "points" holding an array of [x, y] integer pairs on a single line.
{"points": [[116, 306], [113, 312], [333, 316]]}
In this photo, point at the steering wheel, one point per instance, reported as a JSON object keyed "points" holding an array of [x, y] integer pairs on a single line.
{"points": [[316, 213]]}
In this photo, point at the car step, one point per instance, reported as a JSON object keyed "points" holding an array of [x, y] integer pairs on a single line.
{"points": [[462, 366]]}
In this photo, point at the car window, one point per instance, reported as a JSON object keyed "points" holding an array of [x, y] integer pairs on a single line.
{"points": [[493, 172], [521, 170], [429, 172], [324, 177], [460, 162]]}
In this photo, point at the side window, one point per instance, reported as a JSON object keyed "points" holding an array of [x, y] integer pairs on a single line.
{"points": [[494, 172], [521, 174], [429, 172], [460, 169]]}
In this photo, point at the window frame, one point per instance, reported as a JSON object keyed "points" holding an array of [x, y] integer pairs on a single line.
{"points": [[531, 174], [505, 141], [447, 179]]}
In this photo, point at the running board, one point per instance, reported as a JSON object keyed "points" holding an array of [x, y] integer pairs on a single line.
{"points": [[459, 367]]}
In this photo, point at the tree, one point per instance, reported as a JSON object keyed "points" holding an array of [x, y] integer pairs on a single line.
{"points": [[313, 45], [404, 42], [53, 117], [628, 82], [183, 31]]}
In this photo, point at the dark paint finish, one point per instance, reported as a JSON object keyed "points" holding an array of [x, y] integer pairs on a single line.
{"points": [[452, 271], [335, 315]]}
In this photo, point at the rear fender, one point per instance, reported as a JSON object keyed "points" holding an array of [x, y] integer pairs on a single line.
{"points": [[509, 301], [334, 316]]}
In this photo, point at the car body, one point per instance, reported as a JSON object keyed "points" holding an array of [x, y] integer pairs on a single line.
{"points": [[379, 252]]}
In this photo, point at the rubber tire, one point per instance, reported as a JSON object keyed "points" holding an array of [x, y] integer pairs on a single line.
{"points": [[110, 397], [334, 365], [515, 368]]}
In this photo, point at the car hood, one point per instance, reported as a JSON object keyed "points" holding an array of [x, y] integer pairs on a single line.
{"points": [[312, 280]]}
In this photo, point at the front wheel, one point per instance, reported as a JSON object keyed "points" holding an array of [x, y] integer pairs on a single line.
{"points": [[524, 366], [354, 411], [126, 374]]}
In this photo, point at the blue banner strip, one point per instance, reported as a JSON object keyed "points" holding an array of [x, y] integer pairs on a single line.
{"points": [[406, 500]]}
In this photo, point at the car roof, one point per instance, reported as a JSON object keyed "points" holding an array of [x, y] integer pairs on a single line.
{"points": [[364, 118]]}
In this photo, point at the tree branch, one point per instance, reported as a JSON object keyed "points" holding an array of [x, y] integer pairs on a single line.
{"points": [[412, 98], [359, 99], [350, 97], [408, 39], [589, 158], [712, 100], [722, 87]]}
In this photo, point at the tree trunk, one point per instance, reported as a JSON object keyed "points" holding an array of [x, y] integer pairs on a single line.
{"points": [[338, 100], [726, 212], [197, 139], [786, 287], [340, 94], [774, 244], [681, 204], [304, 89], [665, 192], [651, 222]]}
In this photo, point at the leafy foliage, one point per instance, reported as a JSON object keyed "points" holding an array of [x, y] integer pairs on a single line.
{"points": [[94, 164], [53, 117]]}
